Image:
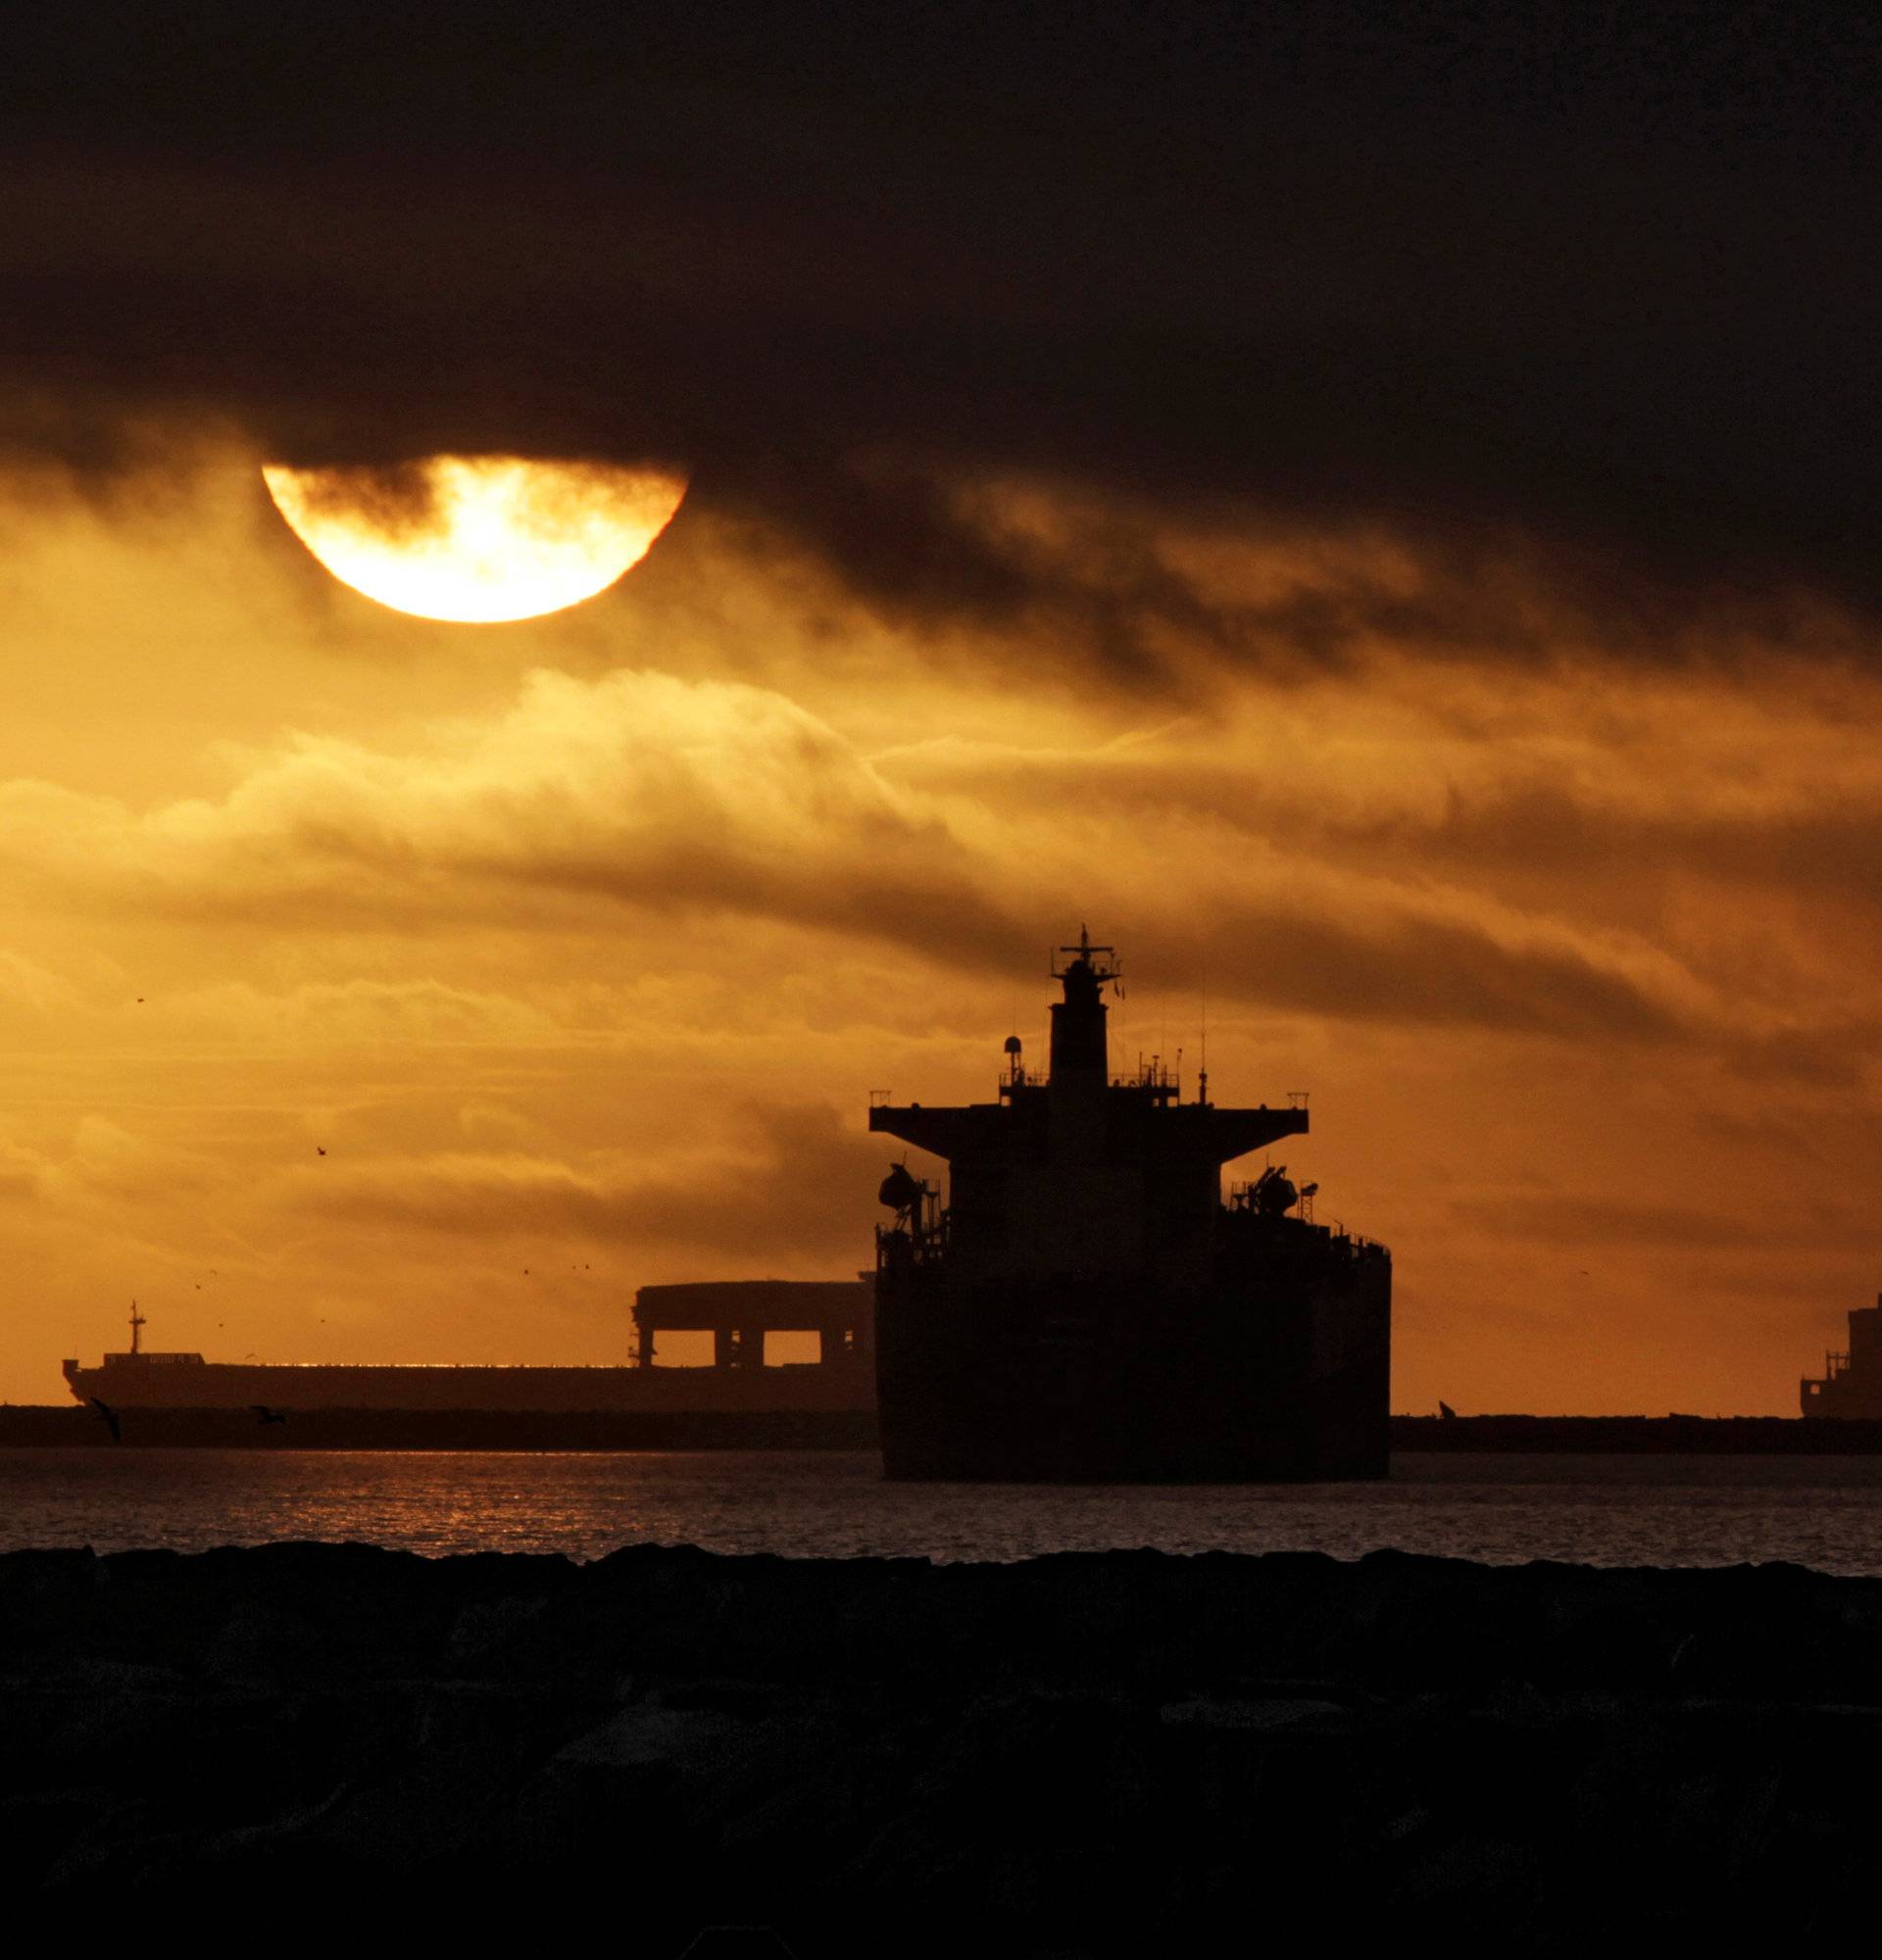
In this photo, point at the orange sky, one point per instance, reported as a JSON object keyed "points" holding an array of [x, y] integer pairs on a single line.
{"points": [[580, 943]]}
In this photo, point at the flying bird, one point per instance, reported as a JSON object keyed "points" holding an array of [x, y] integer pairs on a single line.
{"points": [[111, 1421], [320, 1149], [265, 1415]]}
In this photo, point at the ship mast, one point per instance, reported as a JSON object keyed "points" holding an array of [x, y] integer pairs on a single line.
{"points": [[1079, 1048], [136, 1326]]}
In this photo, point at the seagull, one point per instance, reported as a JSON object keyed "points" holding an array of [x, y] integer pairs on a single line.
{"points": [[110, 1416], [265, 1415], [320, 1149]]}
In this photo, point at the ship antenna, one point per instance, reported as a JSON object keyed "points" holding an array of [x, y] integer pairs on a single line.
{"points": [[137, 1322], [1202, 1074]]}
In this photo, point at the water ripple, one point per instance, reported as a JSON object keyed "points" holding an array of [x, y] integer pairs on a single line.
{"points": [[1825, 1512]]}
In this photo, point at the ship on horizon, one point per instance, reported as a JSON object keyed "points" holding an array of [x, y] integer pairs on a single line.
{"points": [[1850, 1386], [1088, 1306], [737, 1314]]}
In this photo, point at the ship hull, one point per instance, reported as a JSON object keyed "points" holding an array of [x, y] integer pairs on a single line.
{"points": [[1844, 1399], [1263, 1378], [139, 1382]]}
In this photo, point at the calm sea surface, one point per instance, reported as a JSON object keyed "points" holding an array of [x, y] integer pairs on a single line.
{"points": [[1602, 1511]]}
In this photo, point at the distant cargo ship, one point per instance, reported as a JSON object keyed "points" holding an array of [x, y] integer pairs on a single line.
{"points": [[1850, 1384], [737, 1314], [1087, 1308]]}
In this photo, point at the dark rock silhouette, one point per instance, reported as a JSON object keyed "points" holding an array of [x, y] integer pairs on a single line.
{"points": [[1081, 1754]]}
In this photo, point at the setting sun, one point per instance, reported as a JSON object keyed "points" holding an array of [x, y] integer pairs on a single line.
{"points": [[477, 538]]}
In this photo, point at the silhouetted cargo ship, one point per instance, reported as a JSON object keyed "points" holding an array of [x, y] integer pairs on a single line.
{"points": [[1088, 1309], [738, 1315], [1850, 1385]]}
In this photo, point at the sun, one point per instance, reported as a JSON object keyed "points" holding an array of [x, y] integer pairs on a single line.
{"points": [[476, 538]]}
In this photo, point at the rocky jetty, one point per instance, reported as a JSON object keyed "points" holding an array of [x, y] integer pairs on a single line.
{"points": [[1636, 1435], [1083, 1754], [69, 1426]]}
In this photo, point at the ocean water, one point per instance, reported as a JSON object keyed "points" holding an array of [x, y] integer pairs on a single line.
{"points": [[1825, 1512]]}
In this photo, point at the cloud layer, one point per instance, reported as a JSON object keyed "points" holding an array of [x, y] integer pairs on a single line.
{"points": [[1592, 303]]}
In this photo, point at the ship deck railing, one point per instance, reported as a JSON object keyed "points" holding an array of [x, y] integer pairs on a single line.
{"points": [[925, 1248]]}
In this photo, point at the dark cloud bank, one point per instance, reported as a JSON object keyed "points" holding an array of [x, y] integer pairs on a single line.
{"points": [[1595, 287]]}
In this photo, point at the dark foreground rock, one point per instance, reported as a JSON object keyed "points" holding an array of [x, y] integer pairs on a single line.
{"points": [[1084, 1754]]}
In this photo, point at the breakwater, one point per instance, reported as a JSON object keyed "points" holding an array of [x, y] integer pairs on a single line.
{"points": [[68, 1425], [1638, 1435], [1082, 1754]]}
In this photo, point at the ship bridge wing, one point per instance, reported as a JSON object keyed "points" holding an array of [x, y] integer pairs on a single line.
{"points": [[1192, 1130], [947, 1133], [1233, 1133]]}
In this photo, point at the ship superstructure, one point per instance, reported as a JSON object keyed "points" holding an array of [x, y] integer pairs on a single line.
{"points": [[1850, 1384], [1089, 1306]]}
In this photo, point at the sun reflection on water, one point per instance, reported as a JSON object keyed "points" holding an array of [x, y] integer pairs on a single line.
{"points": [[1825, 1512]]}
